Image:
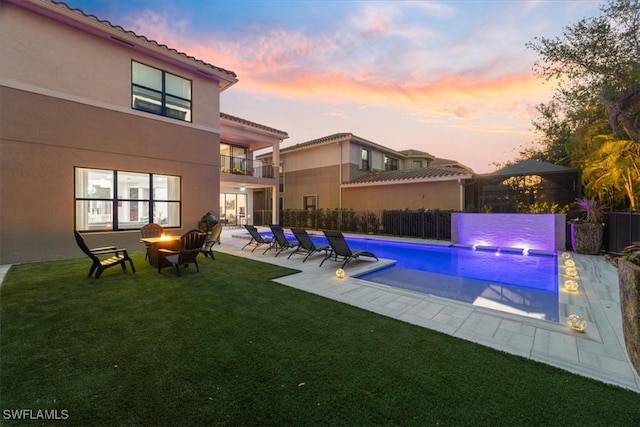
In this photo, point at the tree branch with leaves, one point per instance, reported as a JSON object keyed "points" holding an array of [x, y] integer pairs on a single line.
{"points": [[596, 62]]}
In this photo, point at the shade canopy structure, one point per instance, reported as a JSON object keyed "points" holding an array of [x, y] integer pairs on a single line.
{"points": [[525, 183]]}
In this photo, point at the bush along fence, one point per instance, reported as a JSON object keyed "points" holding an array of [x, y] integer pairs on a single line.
{"points": [[424, 224]]}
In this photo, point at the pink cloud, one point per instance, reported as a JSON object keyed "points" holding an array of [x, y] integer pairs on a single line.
{"points": [[289, 64]]}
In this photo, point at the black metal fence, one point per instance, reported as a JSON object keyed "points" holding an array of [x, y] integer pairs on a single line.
{"points": [[621, 229], [425, 224]]}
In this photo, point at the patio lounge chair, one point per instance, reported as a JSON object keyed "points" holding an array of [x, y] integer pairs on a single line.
{"points": [[151, 230], [256, 238], [104, 257], [211, 239], [306, 245], [190, 245], [340, 250], [281, 242]]}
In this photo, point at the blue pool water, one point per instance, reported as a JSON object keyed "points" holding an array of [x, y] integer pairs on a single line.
{"points": [[522, 284]]}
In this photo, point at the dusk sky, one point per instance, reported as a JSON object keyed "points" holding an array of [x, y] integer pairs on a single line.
{"points": [[452, 78]]}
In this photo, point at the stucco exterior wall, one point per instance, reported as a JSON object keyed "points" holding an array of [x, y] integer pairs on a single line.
{"points": [[67, 104], [83, 65], [323, 182], [315, 157], [433, 195], [42, 139]]}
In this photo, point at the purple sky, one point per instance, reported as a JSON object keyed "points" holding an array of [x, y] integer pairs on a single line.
{"points": [[452, 78]]}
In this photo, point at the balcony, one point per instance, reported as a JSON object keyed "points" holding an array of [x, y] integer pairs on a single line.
{"points": [[246, 167]]}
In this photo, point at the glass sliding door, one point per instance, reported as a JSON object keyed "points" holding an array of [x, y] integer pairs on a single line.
{"points": [[233, 208]]}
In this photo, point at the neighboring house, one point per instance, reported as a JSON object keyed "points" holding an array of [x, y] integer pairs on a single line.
{"points": [[103, 130], [349, 172]]}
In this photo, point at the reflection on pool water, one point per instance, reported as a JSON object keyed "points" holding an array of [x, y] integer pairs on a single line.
{"points": [[512, 282]]}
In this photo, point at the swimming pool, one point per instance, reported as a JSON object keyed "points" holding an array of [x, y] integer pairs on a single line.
{"points": [[512, 282]]}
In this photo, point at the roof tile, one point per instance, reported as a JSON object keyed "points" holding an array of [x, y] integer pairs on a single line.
{"points": [[80, 12], [411, 174]]}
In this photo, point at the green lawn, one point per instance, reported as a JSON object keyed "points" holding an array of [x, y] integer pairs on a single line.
{"points": [[230, 347]]}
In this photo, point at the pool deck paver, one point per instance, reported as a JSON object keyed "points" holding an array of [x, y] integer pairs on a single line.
{"points": [[598, 352]]}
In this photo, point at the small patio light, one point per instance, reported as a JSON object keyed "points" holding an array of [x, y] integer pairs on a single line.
{"points": [[340, 273], [570, 263], [566, 255], [577, 323], [571, 285], [571, 272]]}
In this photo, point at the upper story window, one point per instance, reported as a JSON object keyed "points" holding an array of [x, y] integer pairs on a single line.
{"points": [[416, 164], [109, 200], [365, 160], [159, 92], [390, 164]]}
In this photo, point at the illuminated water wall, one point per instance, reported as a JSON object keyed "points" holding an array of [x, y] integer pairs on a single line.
{"points": [[540, 232]]}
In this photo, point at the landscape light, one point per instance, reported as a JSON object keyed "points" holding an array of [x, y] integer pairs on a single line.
{"points": [[340, 273], [577, 323], [571, 285]]}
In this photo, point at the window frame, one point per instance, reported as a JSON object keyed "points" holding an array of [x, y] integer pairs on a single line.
{"points": [[390, 163], [236, 159], [365, 159], [165, 109], [281, 180], [116, 204], [305, 204]]}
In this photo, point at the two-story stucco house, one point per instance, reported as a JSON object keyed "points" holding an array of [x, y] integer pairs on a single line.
{"points": [[349, 172], [103, 130]]}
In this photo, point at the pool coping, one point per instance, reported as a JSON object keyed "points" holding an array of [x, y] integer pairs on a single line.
{"points": [[598, 352]]}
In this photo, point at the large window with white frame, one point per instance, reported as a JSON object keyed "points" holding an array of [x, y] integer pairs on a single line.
{"points": [[108, 200], [159, 92]]}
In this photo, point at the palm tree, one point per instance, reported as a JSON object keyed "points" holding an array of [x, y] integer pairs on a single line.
{"points": [[614, 165]]}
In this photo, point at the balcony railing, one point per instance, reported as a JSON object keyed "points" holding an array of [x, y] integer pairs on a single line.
{"points": [[247, 167]]}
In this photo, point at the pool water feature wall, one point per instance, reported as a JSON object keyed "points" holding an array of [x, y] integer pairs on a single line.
{"points": [[539, 232]]}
